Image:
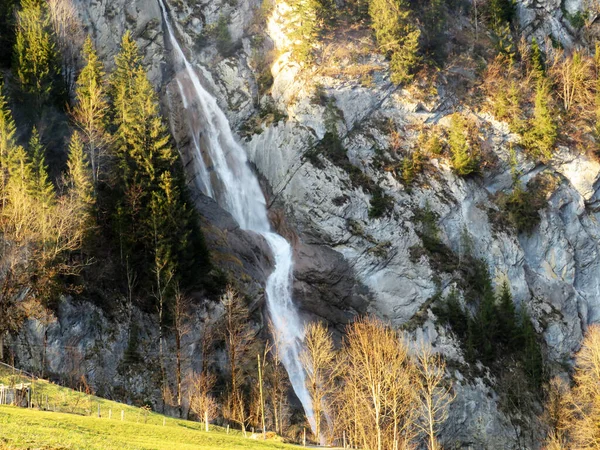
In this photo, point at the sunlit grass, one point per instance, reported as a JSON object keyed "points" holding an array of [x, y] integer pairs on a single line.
{"points": [[76, 424]]}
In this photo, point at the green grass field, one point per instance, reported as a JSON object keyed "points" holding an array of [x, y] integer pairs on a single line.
{"points": [[77, 425]]}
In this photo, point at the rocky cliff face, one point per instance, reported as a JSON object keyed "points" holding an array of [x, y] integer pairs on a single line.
{"points": [[346, 262]]}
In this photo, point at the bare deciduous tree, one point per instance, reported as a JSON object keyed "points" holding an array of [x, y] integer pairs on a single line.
{"points": [[586, 394], [202, 402], [69, 37], [238, 339], [558, 413], [573, 75], [318, 358], [277, 379], [378, 394], [434, 395], [182, 327]]}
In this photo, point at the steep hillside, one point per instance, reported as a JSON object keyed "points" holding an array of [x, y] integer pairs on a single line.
{"points": [[364, 176]]}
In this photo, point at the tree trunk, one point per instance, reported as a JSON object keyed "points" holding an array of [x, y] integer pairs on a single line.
{"points": [[178, 369], [262, 401]]}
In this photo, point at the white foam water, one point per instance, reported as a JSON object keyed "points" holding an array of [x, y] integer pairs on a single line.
{"points": [[224, 174]]}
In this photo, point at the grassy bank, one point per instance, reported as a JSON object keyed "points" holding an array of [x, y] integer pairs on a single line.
{"points": [[76, 425], [25, 428]]}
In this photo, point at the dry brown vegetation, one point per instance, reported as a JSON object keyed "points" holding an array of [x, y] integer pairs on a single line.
{"points": [[375, 391], [572, 413]]}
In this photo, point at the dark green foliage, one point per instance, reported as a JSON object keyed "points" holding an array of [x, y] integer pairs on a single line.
{"points": [[493, 332], [225, 45], [504, 43], [577, 20], [500, 13], [36, 60], [154, 225], [507, 318], [310, 18], [522, 206], [541, 137], [381, 203], [452, 312], [397, 36], [358, 8], [531, 354], [538, 59], [433, 18], [131, 354], [485, 326], [465, 152], [440, 255], [332, 148], [42, 189], [412, 165], [430, 231], [7, 31]]}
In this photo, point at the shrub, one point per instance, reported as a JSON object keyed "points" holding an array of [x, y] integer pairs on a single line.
{"points": [[412, 165], [381, 203], [224, 42], [522, 206]]}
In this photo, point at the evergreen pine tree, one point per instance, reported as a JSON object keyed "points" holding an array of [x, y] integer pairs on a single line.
{"points": [[541, 137], [127, 63], [35, 58], [531, 353], [434, 26], [486, 323], [507, 318], [42, 189], [501, 13], [155, 227], [457, 317], [79, 174], [143, 140], [7, 129], [18, 203], [91, 110], [309, 19], [464, 161], [7, 143], [397, 36]]}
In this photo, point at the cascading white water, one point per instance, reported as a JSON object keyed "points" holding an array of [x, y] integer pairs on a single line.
{"points": [[226, 177]]}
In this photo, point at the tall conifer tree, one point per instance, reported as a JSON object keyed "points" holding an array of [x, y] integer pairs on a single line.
{"points": [[397, 36], [79, 173], [42, 188], [91, 110], [35, 57]]}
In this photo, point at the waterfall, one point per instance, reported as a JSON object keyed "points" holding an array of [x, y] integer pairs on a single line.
{"points": [[226, 176]]}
